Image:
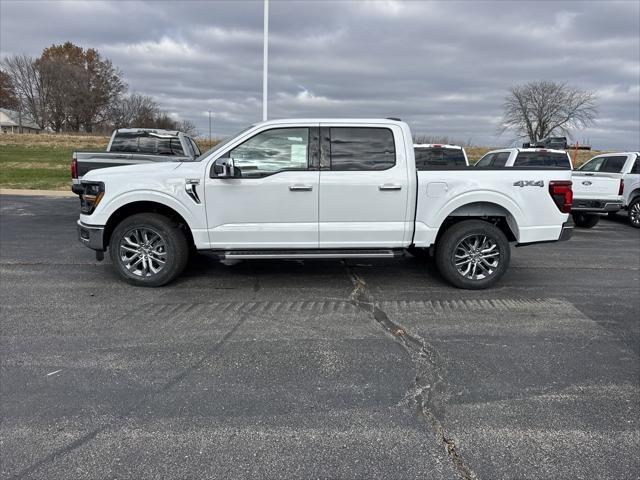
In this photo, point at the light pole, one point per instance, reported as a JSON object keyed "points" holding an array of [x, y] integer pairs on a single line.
{"points": [[265, 59], [209, 126]]}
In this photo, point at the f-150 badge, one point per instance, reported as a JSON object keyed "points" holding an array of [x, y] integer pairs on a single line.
{"points": [[529, 183]]}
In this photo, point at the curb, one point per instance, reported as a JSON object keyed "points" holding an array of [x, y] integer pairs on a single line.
{"points": [[38, 193]]}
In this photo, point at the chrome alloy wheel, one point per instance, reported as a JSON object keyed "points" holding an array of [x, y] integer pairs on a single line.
{"points": [[143, 251], [477, 257], [634, 213]]}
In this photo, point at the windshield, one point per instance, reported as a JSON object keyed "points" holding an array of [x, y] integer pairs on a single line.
{"points": [[218, 146]]}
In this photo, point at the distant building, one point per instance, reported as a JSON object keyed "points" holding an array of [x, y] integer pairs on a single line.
{"points": [[12, 122]]}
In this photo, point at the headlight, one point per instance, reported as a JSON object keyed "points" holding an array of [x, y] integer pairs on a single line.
{"points": [[91, 196]]}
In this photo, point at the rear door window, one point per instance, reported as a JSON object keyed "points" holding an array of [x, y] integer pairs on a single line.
{"points": [[360, 148], [434, 156], [613, 164]]}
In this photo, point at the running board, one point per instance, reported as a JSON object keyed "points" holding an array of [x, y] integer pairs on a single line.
{"points": [[302, 254]]}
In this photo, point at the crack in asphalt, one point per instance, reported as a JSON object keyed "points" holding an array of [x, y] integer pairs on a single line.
{"points": [[170, 383], [428, 391]]}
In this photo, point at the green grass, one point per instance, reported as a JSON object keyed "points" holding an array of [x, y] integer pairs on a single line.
{"points": [[35, 167]]}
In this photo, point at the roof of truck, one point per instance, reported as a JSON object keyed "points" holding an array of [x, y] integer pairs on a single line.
{"points": [[436, 145], [385, 121], [157, 131]]}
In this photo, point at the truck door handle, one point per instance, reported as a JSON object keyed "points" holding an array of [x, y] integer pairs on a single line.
{"points": [[300, 188], [390, 186]]}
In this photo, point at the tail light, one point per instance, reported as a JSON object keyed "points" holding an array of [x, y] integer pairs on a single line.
{"points": [[560, 191], [621, 187], [74, 166]]}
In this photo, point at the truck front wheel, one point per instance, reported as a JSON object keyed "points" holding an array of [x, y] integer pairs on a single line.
{"points": [[473, 254], [148, 249], [585, 220]]}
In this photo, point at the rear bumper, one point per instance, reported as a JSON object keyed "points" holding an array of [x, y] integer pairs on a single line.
{"points": [[92, 236], [566, 233], [76, 186], [595, 205]]}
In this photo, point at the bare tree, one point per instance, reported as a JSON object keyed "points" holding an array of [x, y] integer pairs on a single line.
{"points": [[134, 110], [8, 96], [539, 109], [31, 87]]}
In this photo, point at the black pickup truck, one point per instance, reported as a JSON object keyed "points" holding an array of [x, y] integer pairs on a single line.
{"points": [[129, 146]]}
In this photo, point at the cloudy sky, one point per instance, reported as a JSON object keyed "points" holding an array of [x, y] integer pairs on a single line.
{"points": [[442, 66]]}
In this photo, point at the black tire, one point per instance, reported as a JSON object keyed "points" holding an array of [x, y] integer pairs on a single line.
{"points": [[172, 248], [419, 253], [488, 268], [585, 220], [634, 212]]}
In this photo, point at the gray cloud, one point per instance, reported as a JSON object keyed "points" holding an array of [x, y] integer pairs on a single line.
{"points": [[442, 66]]}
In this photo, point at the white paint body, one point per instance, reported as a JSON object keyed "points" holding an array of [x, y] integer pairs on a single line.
{"points": [[393, 208], [606, 185]]}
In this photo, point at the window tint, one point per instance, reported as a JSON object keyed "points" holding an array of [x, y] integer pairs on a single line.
{"points": [[426, 156], [147, 145], [272, 151], [486, 160], [636, 166], [613, 164], [542, 159], [362, 149], [500, 159], [124, 142], [168, 146]]}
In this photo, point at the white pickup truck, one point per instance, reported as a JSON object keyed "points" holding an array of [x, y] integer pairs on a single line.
{"points": [[606, 184], [305, 189]]}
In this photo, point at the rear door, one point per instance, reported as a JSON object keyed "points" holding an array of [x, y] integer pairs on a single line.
{"points": [[363, 186]]}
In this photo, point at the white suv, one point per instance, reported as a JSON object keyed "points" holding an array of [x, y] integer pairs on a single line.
{"points": [[525, 157]]}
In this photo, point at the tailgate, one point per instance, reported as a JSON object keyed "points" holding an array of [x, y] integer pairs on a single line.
{"points": [[596, 185]]}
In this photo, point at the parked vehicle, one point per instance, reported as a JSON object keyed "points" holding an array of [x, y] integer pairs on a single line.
{"points": [[557, 143], [525, 157], [130, 146], [304, 189], [606, 184], [429, 154]]}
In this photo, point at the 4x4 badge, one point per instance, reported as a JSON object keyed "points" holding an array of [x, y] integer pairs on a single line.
{"points": [[529, 183]]}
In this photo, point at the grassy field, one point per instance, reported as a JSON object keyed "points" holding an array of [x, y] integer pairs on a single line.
{"points": [[43, 161]]}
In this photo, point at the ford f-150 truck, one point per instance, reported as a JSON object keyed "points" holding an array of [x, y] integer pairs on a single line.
{"points": [[525, 157], [130, 146], [321, 188], [606, 184]]}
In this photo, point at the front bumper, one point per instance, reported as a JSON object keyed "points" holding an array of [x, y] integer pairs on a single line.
{"points": [[595, 205], [91, 236]]}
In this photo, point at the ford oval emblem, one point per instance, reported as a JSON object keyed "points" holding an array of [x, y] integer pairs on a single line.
{"points": [[586, 182]]}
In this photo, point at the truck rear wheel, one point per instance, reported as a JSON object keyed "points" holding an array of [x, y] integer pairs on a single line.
{"points": [[148, 249], [473, 254], [585, 220]]}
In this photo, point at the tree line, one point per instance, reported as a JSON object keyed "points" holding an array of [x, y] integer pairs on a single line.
{"points": [[70, 89]]}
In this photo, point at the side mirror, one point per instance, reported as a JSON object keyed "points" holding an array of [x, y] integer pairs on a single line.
{"points": [[223, 168]]}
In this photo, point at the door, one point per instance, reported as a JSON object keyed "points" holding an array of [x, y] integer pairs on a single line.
{"points": [[272, 203], [363, 187]]}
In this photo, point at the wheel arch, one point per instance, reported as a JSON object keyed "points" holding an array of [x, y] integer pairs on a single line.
{"points": [[488, 211], [145, 206]]}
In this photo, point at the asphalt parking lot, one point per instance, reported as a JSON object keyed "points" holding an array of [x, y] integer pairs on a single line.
{"points": [[324, 369]]}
